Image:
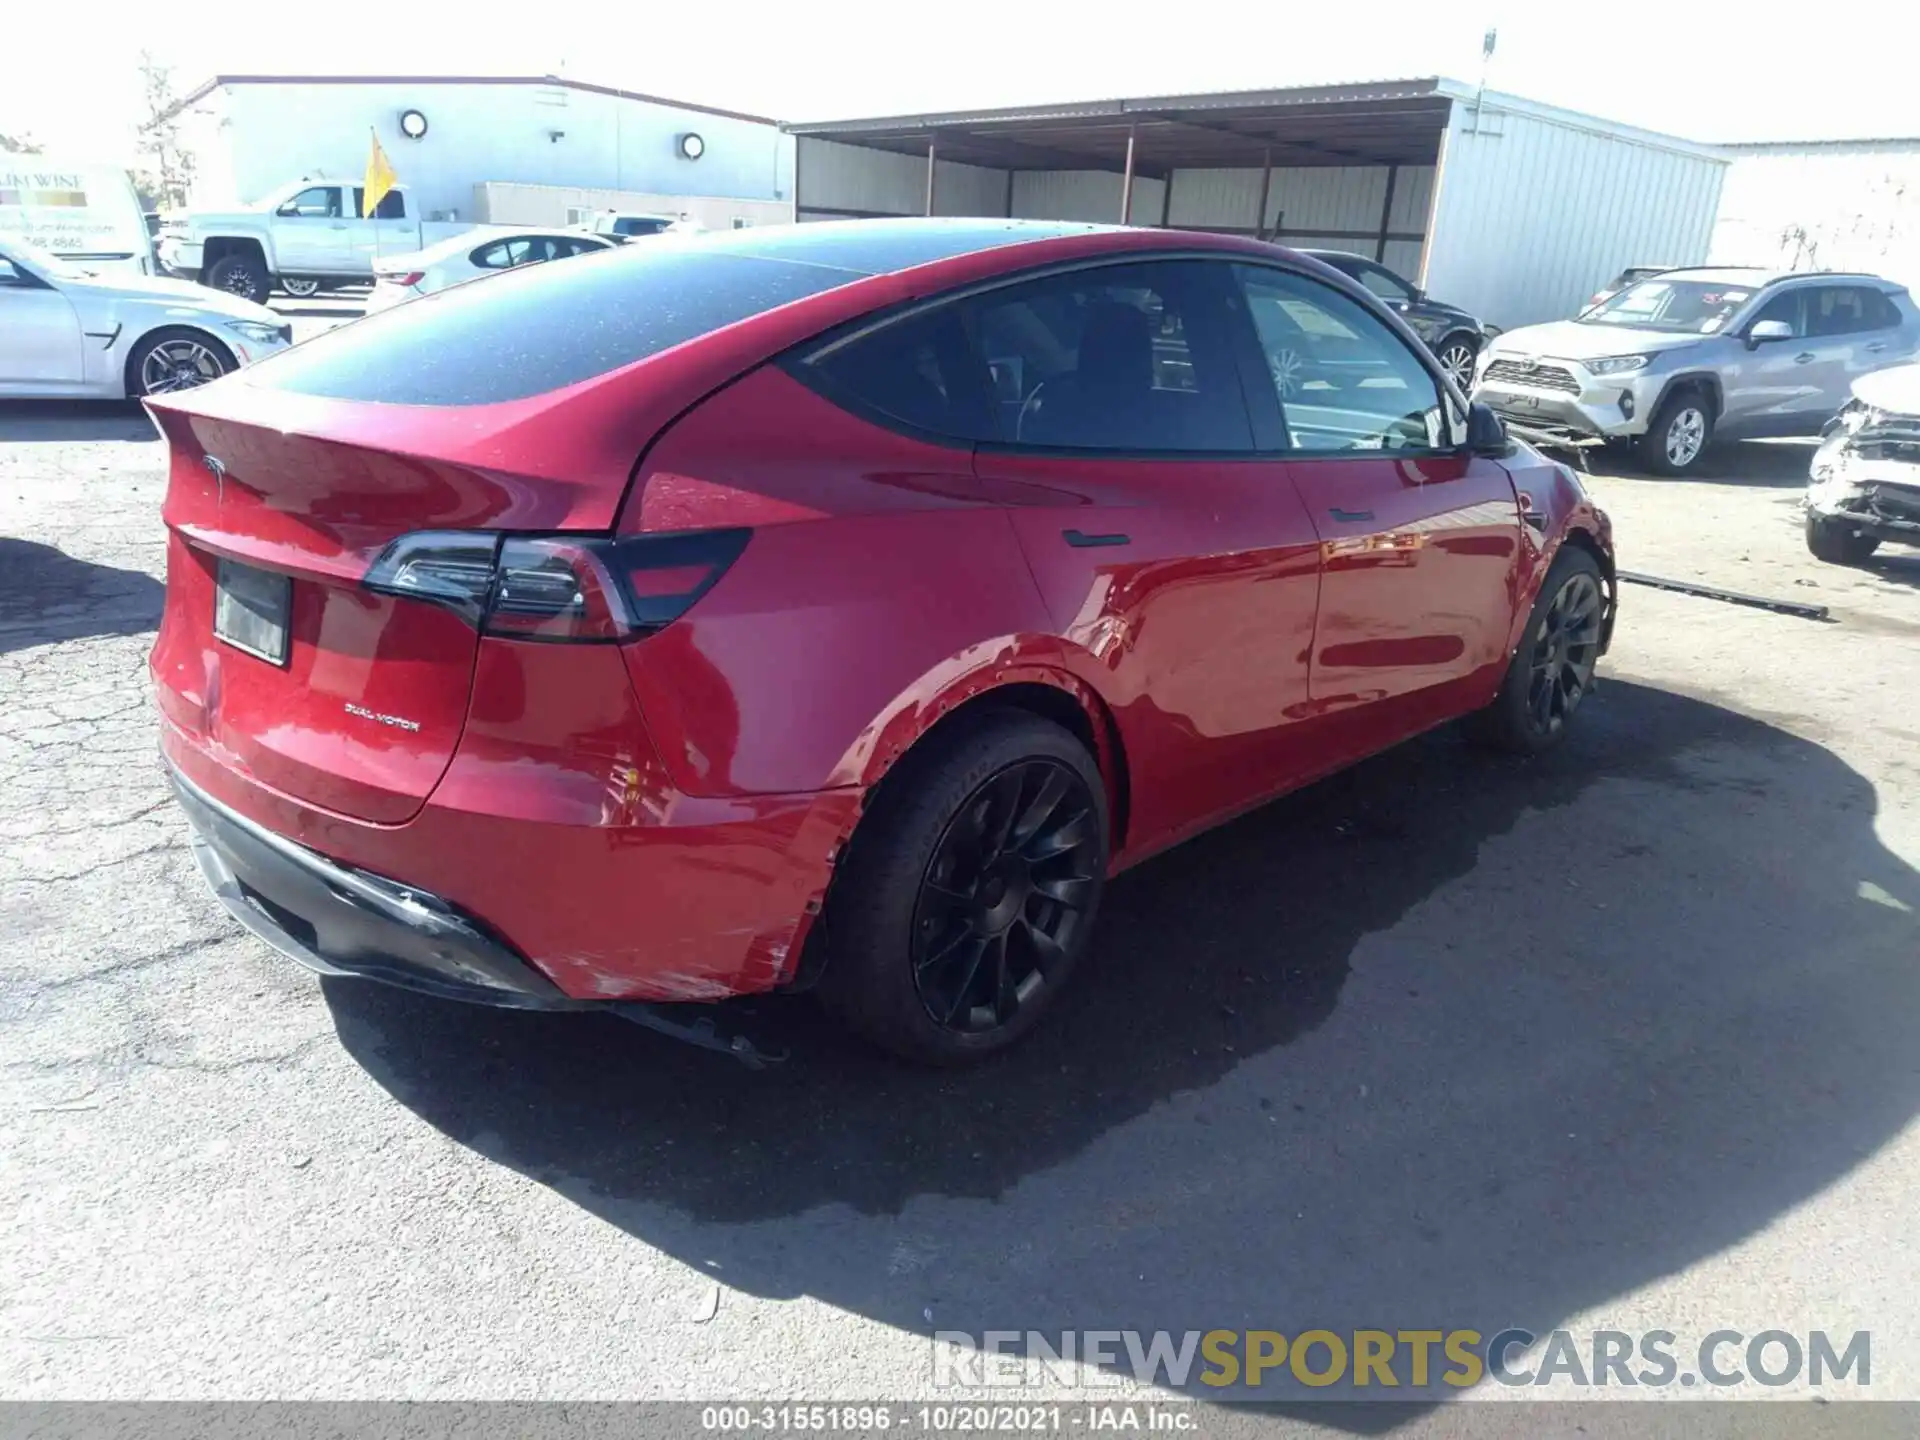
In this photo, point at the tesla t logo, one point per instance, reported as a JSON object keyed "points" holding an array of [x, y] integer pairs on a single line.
{"points": [[216, 468], [398, 722]]}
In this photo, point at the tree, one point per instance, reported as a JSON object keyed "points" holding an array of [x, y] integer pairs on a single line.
{"points": [[21, 144], [166, 179]]}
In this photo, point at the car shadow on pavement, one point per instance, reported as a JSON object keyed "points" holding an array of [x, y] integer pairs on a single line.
{"points": [[62, 422], [1761, 464], [1894, 564], [1447, 1041], [47, 595]]}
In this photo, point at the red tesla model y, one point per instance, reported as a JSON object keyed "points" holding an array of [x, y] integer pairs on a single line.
{"points": [[836, 605]]}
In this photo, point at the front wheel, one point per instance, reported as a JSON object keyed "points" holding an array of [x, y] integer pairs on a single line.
{"points": [[1552, 670], [969, 890], [299, 289], [1682, 429], [175, 359], [1837, 542]]}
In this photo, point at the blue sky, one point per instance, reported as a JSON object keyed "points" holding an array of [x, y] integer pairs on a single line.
{"points": [[1706, 72]]}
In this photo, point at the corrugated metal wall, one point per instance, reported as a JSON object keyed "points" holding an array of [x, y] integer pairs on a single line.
{"points": [[1326, 208], [1825, 207], [839, 182], [1090, 195], [1535, 213]]}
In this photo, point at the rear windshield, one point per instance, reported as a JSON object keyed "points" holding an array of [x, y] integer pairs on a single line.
{"points": [[540, 328]]}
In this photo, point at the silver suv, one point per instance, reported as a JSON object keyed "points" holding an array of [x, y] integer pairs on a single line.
{"points": [[1687, 357]]}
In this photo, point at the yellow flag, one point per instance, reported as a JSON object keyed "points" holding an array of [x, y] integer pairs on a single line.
{"points": [[380, 178]]}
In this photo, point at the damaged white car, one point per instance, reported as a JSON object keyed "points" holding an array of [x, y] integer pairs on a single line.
{"points": [[1865, 486]]}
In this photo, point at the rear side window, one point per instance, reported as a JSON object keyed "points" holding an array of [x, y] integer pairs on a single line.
{"points": [[541, 327], [1130, 358], [1849, 310]]}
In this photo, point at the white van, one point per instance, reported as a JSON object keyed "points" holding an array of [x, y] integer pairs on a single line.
{"points": [[87, 214]]}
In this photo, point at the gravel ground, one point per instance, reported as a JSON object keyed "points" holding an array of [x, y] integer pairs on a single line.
{"points": [[1619, 1038]]}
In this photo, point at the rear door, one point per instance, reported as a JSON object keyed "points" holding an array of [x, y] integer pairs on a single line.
{"points": [[1419, 540], [1167, 554], [1875, 335]]}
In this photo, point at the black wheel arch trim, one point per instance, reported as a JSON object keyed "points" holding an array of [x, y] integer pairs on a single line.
{"points": [[1704, 380]]}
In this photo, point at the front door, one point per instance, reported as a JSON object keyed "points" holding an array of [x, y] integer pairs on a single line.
{"points": [[40, 343], [310, 235], [1419, 540]]}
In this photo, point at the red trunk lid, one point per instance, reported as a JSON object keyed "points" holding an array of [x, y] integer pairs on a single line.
{"points": [[363, 717]]}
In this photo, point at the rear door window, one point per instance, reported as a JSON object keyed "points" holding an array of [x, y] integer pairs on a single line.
{"points": [[1134, 358], [540, 327], [1849, 310]]}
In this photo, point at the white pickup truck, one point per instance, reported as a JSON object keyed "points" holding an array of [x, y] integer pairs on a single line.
{"points": [[304, 236]]}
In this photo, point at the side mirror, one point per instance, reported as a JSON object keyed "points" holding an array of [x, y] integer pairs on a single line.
{"points": [[1762, 331], [1486, 431]]}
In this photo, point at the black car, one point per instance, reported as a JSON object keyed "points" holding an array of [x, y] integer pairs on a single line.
{"points": [[1453, 335]]}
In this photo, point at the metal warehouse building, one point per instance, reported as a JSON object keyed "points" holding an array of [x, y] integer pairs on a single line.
{"points": [[1513, 209]]}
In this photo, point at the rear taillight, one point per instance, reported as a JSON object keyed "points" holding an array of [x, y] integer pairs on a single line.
{"points": [[557, 587], [407, 278]]}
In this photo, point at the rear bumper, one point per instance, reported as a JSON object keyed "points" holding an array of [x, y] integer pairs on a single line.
{"points": [[338, 920], [532, 892]]}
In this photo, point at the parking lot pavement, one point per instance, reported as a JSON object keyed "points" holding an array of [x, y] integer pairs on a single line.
{"points": [[319, 313], [1622, 1037]]}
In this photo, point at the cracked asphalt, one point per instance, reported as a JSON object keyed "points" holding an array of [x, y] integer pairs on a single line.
{"points": [[1619, 1038]]}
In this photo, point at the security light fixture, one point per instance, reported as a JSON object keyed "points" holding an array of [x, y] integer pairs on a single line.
{"points": [[413, 124], [692, 147]]}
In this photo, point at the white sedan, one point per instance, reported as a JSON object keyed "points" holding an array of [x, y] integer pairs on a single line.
{"points": [[68, 331], [481, 251]]}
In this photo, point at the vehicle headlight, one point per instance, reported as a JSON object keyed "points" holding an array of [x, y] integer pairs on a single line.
{"points": [[1617, 364], [257, 331]]}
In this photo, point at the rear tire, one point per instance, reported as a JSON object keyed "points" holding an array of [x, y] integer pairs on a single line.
{"points": [[1681, 432], [242, 274], [1837, 542], [943, 946], [1552, 670], [299, 289]]}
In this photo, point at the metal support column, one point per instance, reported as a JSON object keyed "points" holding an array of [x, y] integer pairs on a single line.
{"points": [[1126, 180], [933, 149], [1386, 215], [1266, 187]]}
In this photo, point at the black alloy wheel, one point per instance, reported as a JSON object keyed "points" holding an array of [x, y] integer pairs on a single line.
{"points": [[1551, 671], [966, 899], [1566, 648], [1011, 881]]}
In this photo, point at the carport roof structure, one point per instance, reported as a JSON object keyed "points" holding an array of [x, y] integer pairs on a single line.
{"points": [[1386, 122]]}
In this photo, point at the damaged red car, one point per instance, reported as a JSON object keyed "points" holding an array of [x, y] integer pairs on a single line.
{"points": [[834, 606]]}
